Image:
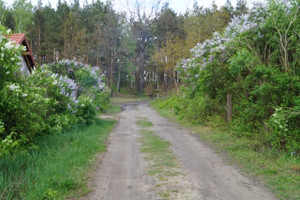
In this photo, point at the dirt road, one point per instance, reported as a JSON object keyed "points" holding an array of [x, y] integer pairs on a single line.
{"points": [[122, 174]]}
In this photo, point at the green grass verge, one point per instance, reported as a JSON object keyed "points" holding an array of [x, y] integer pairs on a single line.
{"points": [[127, 100], [58, 168], [113, 109], [279, 171]]}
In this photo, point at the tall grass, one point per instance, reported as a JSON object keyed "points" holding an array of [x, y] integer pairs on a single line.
{"points": [[57, 168]]}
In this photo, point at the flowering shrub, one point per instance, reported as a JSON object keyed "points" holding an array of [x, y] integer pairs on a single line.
{"points": [[256, 59], [89, 81], [50, 100], [86, 111]]}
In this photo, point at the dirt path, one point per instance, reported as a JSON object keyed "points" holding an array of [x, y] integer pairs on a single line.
{"points": [[123, 172]]}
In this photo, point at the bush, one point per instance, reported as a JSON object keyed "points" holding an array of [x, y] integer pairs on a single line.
{"points": [[285, 129], [50, 100], [256, 60], [86, 110]]}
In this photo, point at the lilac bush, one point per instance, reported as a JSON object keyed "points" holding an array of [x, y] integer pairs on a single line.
{"points": [[52, 99], [256, 60]]}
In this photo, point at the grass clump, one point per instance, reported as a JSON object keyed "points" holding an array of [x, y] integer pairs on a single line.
{"points": [[144, 123], [57, 169]]}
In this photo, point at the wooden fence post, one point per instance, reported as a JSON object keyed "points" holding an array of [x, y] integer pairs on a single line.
{"points": [[229, 107]]}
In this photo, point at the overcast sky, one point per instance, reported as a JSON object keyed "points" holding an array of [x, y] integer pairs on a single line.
{"points": [[121, 5]]}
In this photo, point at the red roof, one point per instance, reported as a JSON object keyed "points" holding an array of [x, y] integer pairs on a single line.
{"points": [[17, 38], [20, 38]]}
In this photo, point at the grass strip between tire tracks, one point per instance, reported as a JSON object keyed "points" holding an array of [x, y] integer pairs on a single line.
{"points": [[163, 163]]}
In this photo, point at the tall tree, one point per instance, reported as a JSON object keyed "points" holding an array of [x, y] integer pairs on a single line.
{"points": [[228, 7], [9, 20], [167, 23], [142, 26], [241, 7], [23, 15]]}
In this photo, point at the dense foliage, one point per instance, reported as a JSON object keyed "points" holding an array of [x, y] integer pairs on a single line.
{"points": [[256, 60], [48, 101]]}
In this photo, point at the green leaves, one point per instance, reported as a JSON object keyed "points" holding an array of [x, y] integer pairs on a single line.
{"points": [[241, 62]]}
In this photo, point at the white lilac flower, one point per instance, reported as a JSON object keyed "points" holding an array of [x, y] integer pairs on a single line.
{"points": [[9, 45], [13, 86]]}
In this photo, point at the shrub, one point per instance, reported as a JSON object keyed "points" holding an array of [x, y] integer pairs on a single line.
{"points": [[50, 100], [285, 129], [256, 60], [86, 110]]}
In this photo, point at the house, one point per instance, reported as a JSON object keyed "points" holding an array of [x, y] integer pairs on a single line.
{"points": [[27, 60]]}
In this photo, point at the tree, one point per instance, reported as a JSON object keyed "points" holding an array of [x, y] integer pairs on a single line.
{"points": [[9, 21], [241, 7], [142, 26], [228, 7], [167, 22], [23, 15]]}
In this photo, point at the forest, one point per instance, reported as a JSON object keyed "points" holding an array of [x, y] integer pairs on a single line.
{"points": [[230, 66]]}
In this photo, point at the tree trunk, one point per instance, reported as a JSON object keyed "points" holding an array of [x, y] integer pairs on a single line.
{"points": [[175, 81], [111, 72], [166, 83], [157, 85], [118, 84]]}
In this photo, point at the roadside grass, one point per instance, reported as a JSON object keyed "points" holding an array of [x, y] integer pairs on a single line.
{"points": [[58, 168], [113, 109], [129, 99], [278, 170]]}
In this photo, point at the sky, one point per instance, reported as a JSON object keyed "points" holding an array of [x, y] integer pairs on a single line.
{"points": [[179, 6]]}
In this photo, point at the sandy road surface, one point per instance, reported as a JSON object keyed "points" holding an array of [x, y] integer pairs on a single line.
{"points": [[122, 174]]}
